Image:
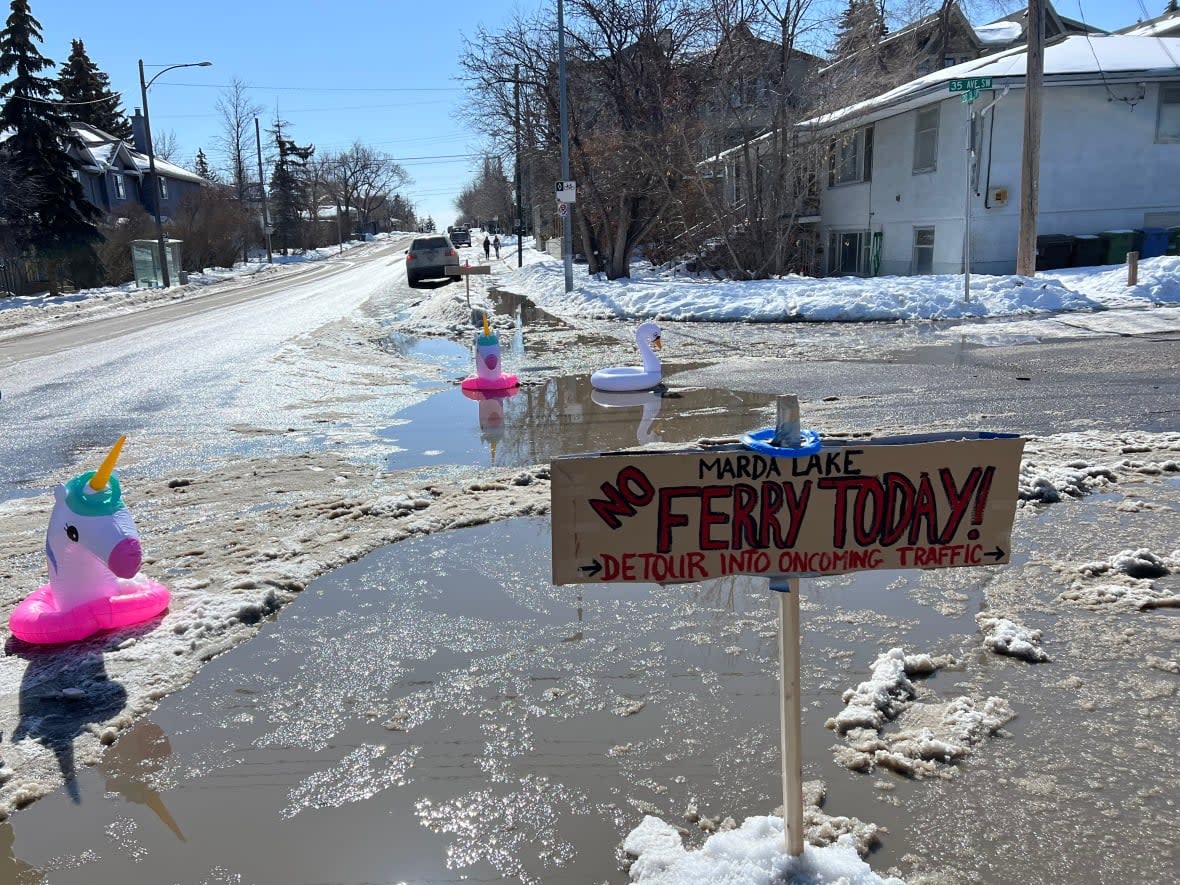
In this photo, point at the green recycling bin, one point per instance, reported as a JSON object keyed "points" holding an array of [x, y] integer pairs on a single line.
{"points": [[1118, 243]]}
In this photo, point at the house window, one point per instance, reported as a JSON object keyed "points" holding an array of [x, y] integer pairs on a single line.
{"points": [[120, 188], [923, 250], [948, 61], [1167, 129], [851, 157], [926, 140], [924, 67], [848, 253], [163, 187]]}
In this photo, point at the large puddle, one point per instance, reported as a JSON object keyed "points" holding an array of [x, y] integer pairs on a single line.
{"points": [[440, 712], [534, 423]]}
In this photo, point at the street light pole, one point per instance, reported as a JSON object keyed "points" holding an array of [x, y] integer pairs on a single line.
{"points": [[151, 152], [567, 229]]}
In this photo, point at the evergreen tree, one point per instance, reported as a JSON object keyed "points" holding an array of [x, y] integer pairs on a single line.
{"points": [[1171, 7], [59, 224], [288, 185], [861, 25], [202, 168], [89, 90]]}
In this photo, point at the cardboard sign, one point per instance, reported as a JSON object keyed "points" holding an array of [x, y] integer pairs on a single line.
{"points": [[933, 501]]}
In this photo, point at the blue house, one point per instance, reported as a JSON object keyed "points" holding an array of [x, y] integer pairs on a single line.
{"points": [[114, 173]]}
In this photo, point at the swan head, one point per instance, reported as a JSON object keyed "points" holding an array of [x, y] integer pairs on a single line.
{"points": [[650, 333]]}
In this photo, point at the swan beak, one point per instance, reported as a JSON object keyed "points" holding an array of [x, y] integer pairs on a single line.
{"points": [[655, 342]]}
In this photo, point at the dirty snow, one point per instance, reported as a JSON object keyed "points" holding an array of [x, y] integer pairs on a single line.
{"points": [[1006, 637]]}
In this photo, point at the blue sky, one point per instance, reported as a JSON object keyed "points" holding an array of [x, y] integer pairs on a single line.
{"points": [[382, 71]]}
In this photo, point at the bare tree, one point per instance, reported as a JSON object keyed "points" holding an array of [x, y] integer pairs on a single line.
{"points": [[364, 179], [237, 111], [166, 145], [488, 196]]}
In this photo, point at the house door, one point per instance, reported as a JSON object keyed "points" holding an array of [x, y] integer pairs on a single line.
{"points": [[848, 253]]}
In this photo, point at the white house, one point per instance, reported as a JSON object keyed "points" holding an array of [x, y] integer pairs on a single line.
{"points": [[898, 189]]}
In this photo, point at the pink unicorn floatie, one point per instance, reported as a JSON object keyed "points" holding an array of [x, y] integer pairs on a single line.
{"points": [[94, 558]]}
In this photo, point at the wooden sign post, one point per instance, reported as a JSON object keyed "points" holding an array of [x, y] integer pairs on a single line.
{"points": [[688, 515], [465, 270]]}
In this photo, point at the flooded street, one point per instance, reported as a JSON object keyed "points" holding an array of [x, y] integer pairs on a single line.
{"points": [[435, 710], [440, 712]]}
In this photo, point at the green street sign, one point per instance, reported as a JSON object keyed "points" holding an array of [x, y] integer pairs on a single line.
{"points": [[970, 84], [968, 97]]}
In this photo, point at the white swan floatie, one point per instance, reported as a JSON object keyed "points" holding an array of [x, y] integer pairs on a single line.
{"points": [[647, 336]]}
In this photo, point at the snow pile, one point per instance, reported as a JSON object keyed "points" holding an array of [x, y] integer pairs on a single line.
{"points": [[1006, 637], [930, 737], [1125, 582], [668, 293], [886, 692], [448, 313], [1050, 484], [752, 854]]}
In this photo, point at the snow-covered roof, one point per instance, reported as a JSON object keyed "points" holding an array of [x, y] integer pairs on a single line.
{"points": [[1108, 55], [999, 33], [101, 148], [1155, 27], [98, 150]]}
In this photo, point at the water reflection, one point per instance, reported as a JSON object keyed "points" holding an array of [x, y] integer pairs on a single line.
{"points": [[128, 766], [560, 417], [491, 414], [649, 400]]}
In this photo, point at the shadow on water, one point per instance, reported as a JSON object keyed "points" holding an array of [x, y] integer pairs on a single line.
{"points": [[535, 423]]}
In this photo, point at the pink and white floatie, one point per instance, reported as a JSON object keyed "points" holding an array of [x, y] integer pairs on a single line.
{"points": [[94, 557]]}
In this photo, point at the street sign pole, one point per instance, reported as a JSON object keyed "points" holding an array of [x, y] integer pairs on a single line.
{"points": [[787, 434]]}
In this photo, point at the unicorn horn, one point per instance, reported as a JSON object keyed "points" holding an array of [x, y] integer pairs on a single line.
{"points": [[99, 481]]}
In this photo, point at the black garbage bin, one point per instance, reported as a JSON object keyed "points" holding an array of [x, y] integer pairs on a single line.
{"points": [[1088, 251], [1053, 251]]}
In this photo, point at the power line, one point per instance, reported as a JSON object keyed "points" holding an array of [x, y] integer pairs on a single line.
{"points": [[323, 88]]}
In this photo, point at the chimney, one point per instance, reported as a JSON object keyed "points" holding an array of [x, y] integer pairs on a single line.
{"points": [[138, 132]]}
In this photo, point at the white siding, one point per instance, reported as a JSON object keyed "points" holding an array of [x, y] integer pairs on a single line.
{"points": [[1101, 169]]}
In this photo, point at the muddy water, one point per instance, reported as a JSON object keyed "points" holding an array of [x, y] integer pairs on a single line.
{"points": [[536, 422], [439, 711]]}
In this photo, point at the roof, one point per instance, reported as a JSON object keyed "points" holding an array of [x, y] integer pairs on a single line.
{"points": [[1074, 59], [1155, 27], [930, 20], [101, 148]]}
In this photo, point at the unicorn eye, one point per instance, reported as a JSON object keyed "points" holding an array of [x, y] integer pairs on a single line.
{"points": [[71, 533]]}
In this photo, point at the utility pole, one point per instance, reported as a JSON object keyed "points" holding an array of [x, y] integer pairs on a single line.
{"points": [[519, 198], [262, 191], [1026, 247], [567, 226]]}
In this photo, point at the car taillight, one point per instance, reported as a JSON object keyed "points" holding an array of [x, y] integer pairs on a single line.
{"points": [[410, 255], [452, 252]]}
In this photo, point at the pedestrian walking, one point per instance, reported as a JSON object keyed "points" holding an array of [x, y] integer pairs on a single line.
{"points": [[496, 243], [487, 247]]}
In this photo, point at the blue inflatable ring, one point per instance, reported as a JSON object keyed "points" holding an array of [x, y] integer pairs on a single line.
{"points": [[762, 441]]}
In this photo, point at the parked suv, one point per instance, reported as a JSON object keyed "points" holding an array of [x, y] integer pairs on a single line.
{"points": [[461, 236], [429, 258]]}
